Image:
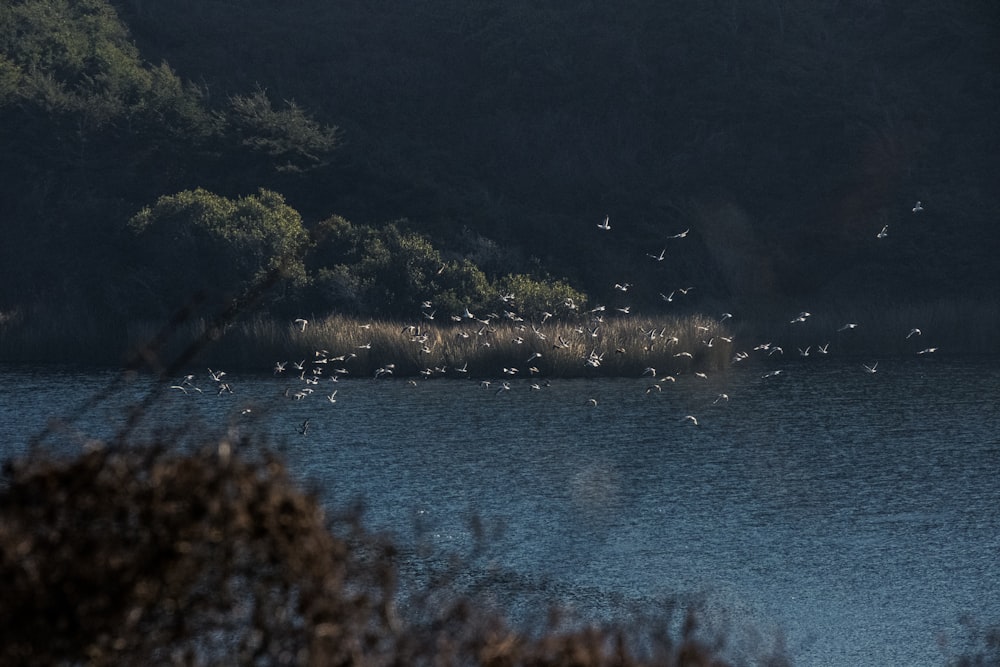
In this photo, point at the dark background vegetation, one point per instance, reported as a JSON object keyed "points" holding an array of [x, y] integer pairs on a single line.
{"points": [[392, 152]]}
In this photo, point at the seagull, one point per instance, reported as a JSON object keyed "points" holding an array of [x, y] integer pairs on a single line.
{"points": [[668, 297], [332, 397], [849, 325], [279, 367], [801, 317], [823, 349], [681, 235], [649, 370], [690, 418], [721, 397], [660, 257], [918, 207], [913, 332], [771, 374], [927, 350], [653, 387], [606, 225], [301, 322], [882, 234], [623, 287], [591, 401], [870, 369], [305, 427], [503, 387]]}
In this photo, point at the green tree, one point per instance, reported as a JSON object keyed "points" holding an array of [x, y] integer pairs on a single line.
{"points": [[294, 141], [389, 271], [196, 242], [532, 297]]}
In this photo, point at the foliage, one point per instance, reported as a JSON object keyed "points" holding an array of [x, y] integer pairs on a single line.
{"points": [[91, 133], [784, 135], [533, 298], [387, 271], [196, 240], [291, 137], [138, 554]]}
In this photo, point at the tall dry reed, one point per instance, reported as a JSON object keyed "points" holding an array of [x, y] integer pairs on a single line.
{"points": [[585, 347]]}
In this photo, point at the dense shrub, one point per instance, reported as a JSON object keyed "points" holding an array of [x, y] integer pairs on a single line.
{"points": [[195, 241], [148, 555]]}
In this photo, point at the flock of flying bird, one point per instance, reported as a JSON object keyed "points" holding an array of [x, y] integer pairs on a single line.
{"points": [[327, 369]]}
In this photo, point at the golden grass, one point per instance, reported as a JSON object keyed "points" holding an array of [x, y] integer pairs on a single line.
{"points": [[587, 347], [580, 345]]}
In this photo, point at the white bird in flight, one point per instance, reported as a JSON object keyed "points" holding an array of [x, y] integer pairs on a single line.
{"points": [[883, 233], [606, 225], [913, 332], [918, 207], [302, 322], [870, 369]]}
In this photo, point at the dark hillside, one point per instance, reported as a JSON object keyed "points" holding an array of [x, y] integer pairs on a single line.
{"points": [[816, 123], [784, 135]]}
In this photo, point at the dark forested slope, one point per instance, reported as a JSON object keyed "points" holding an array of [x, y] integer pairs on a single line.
{"points": [[785, 135]]}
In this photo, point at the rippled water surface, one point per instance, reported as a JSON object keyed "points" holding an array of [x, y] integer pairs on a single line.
{"points": [[852, 514]]}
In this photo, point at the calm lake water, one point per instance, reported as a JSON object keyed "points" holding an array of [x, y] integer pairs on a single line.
{"points": [[851, 516]]}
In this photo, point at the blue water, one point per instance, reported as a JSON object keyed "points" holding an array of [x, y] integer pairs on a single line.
{"points": [[849, 517]]}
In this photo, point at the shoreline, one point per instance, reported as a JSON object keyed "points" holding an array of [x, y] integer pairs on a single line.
{"points": [[589, 344]]}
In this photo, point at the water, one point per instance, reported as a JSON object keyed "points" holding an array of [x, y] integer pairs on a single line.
{"points": [[851, 516]]}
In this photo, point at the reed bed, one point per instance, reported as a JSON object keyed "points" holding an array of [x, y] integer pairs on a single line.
{"points": [[585, 347], [577, 345]]}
